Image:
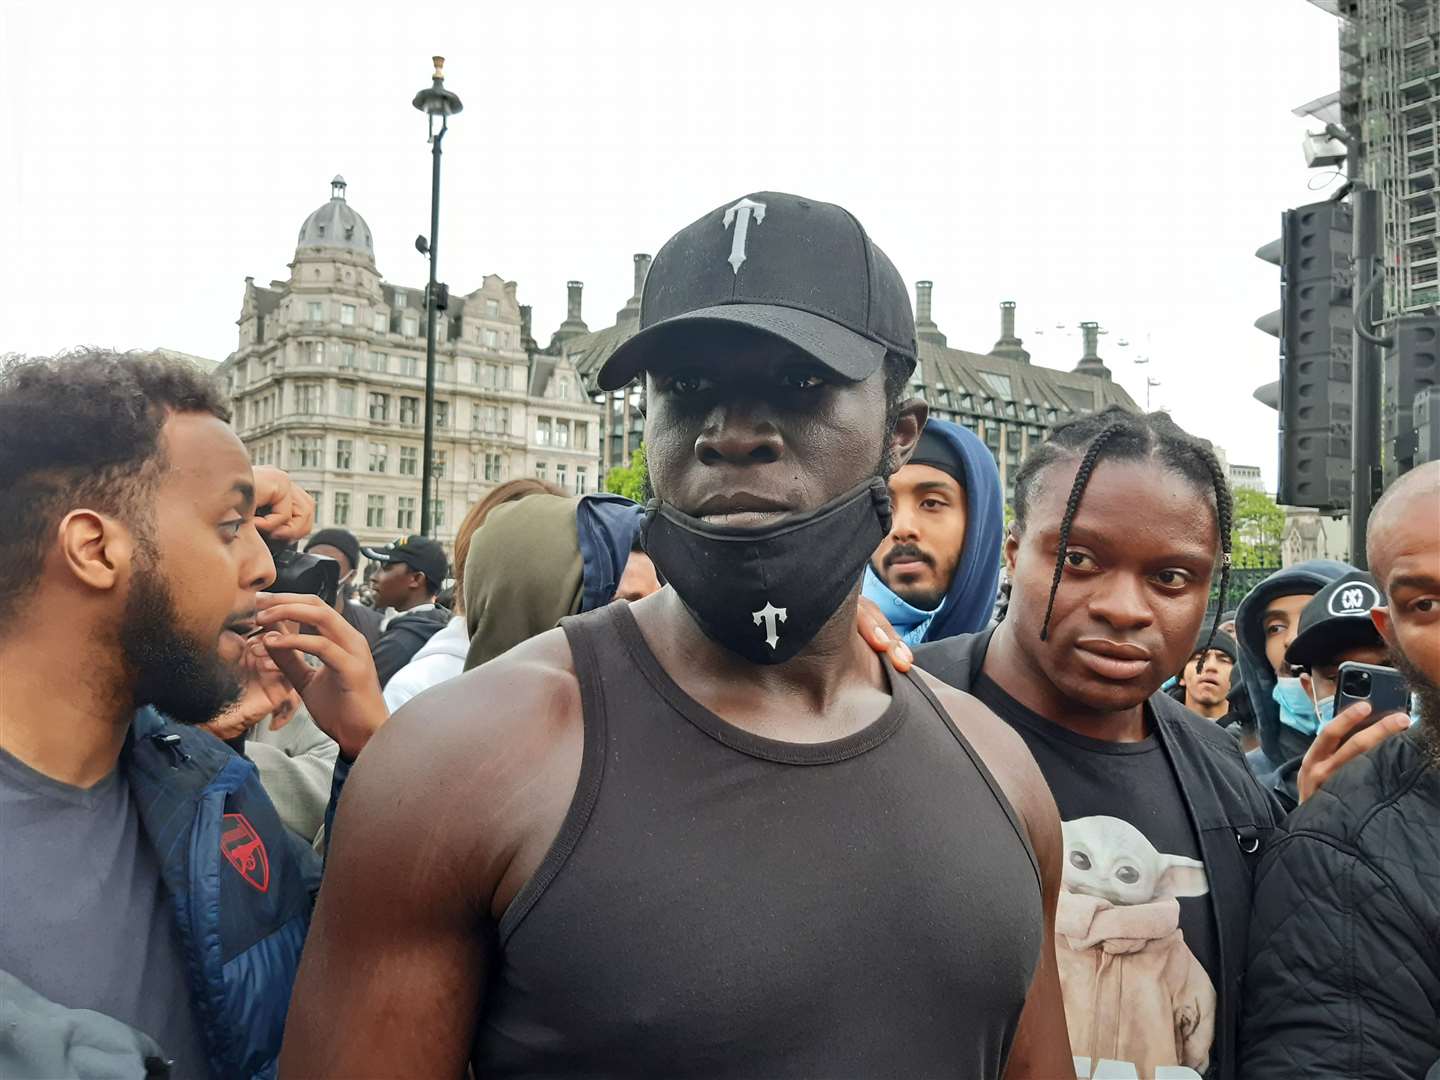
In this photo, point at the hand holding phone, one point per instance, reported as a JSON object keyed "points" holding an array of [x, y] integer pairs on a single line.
{"points": [[1371, 704]]}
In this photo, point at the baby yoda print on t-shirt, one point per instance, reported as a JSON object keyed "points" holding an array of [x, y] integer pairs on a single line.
{"points": [[1134, 937]]}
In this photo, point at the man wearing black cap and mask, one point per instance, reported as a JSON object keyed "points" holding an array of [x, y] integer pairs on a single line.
{"points": [[709, 832], [1206, 676]]}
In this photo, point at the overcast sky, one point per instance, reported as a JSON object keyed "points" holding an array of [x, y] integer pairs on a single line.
{"points": [[1115, 160]]}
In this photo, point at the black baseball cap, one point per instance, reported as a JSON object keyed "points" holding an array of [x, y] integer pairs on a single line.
{"points": [[1336, 618], [797, 269], [417, 552], [342, 540]]}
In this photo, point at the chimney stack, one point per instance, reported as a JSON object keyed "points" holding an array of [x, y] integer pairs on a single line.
{"points": [[526, 341], [574, 325], [631, 310], [1009, 345], [925, 328], [1090, 363]]}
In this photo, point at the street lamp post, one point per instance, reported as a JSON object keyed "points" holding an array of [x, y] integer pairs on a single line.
{"points": [[434, 101]]}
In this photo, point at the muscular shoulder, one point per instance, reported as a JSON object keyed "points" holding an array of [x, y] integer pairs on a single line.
{"points": [[1006, 756], [493, 754]]}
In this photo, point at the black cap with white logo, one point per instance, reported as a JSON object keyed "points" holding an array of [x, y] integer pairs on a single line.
{"points": [[797, 269], [1336, 618]]}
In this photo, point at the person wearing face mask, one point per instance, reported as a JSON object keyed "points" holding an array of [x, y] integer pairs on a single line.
{"points": [[341, 545], [1266, 622], [1335, 627], [709, 832]]}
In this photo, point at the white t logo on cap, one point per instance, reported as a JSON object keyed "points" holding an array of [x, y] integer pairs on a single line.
{"points": [[740, 214]]}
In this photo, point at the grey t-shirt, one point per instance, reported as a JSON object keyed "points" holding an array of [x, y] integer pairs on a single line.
{"points": [[84, 918]]}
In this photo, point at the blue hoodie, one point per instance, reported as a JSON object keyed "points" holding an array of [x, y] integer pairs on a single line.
{"points": [[605, 528], [968, 604], [1276, 760]]}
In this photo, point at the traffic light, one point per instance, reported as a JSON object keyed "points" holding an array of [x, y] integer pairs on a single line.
{"points": [[1412, 367], [1315, 325]]}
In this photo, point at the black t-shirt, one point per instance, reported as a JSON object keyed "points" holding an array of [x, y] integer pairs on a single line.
{"points": [[1134, 933]]}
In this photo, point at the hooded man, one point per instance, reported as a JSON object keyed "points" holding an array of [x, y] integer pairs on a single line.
{"points": [[937, 573], [1205, 678], [1266, 622], [710, 832]]}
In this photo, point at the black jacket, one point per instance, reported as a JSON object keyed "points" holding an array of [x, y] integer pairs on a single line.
{"points": [[1344, 973], [403, 638], [1232, 814]]}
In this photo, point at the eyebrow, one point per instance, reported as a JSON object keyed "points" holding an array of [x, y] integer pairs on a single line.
{"points": [[1275, 613], [947, 486], [1411, 581], [246, 491]]}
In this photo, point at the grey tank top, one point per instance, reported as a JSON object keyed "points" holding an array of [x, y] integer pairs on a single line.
{"points": [[718, 904]]}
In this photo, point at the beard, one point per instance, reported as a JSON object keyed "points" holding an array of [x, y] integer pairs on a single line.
{"points": [[181, 677], [1427, 695]]}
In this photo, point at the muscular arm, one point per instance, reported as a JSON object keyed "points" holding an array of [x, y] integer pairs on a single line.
{"points": [[449, 810], [1041, 1048]]}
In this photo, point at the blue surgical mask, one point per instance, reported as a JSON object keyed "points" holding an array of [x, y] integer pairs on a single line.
{"points": [[1297, 711]]}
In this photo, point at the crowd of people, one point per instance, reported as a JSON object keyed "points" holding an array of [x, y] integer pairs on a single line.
{"points": [[771, 776]]}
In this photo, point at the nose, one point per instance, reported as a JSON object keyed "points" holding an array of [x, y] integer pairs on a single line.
{"points": [[1121, 602], [736, 433], [257, 568], [903, 527], [1212, 663]]}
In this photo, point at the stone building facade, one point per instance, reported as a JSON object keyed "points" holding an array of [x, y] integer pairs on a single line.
{"points": [[328, 382]]}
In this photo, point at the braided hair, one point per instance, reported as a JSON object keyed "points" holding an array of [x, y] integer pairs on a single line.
{"points": [[1122, 435]]}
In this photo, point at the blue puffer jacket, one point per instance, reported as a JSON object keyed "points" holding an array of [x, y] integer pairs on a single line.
{"points": [[242, 884]]}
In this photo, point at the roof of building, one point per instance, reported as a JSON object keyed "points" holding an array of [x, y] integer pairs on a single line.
{"points": [[336, 225]]}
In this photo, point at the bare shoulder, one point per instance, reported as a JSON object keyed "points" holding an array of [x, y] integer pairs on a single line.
{"points": [[493, 753], [1005, 755]]}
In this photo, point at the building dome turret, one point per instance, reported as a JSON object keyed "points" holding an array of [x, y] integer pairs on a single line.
{"points": [[336, 225]]}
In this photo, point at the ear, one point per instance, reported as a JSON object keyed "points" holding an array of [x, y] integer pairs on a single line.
{"points": [[1308, 683], [1181, 877], [1380, 616], [908, 427], [95, 549], [1011, 550]]}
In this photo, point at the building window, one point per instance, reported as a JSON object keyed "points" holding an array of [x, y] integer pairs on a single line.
{"points": [[542, 431], [307, 398], [347, 314], [375, 511], [491, 339], [319, 504], [405, 513], [411, 325], [437, 464], [437, 513], [313, 352], [409, 460], [347, 356], [560, 476], [379, 362], [409, 365], [381, 322], [562, 389], [492, 467], [442, 414], [582, 480], [582, 435], [444, 371], [478, 415], [305, 451], [379, 453], [342, 508], [562, 434], [344, 451], [315, 312], [490, 375], [540, 470], [345, 400], [409, 410], [379, 406], [492, 309]]}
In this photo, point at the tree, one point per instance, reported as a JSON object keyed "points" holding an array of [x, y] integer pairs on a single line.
{"points": [[1257, 527], [629, 480]]}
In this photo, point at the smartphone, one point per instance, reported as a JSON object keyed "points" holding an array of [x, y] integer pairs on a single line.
{"points": [[1383, 687]]}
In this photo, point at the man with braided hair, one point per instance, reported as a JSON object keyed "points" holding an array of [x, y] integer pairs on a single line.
{"points": [[1122, 522]]}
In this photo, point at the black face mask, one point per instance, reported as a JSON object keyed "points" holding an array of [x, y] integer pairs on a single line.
{"points": [[765, 593]]}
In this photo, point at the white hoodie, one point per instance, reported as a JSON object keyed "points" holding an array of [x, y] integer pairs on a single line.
{"points": [[440, 658]]}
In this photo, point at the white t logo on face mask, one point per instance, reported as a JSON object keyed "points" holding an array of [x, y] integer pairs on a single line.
{"points": [[768, 614], [740, 215]]}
